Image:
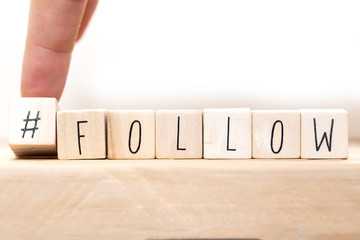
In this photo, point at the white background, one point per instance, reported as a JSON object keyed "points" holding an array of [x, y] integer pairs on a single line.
{"points": [[196, 54]]}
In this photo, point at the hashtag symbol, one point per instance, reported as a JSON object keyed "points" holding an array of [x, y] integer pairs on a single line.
{"points": [[27, 120]]}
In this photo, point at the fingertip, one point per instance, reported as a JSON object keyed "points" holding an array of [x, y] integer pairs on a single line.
{"points": [[32, 91], [44, 73]]}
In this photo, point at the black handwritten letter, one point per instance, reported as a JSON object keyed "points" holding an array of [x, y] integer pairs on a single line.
{"points": [[328, 141], [272, 136], [130, 134], [79, 135], [178, 137], [228, 137]]}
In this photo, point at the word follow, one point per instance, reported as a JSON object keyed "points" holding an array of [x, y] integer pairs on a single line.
{"points": [[36, 128]]}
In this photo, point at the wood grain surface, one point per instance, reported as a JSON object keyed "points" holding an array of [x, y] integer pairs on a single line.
{"points": [[174, 199]]}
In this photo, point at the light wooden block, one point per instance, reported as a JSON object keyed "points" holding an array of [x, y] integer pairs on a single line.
{"points": [[179, 134], [324, 133], [131, 134], [81, 134], [32, 126], [227, 133], [276, 134]]}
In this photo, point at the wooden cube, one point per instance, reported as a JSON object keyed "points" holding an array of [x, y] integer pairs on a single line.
{"points": [[32, 126], [227, 133], [131, 134], [81, 134], [324, 133], [276, 134], [179, 134]]}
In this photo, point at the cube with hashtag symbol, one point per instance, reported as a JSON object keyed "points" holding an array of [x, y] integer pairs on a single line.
{"points": [[32, 126]]}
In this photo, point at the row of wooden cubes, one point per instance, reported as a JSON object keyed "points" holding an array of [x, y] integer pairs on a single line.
{"points": [[37, 128]]}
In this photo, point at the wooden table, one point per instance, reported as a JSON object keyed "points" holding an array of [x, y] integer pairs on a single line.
{"points": [[172, 199]]}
